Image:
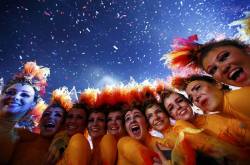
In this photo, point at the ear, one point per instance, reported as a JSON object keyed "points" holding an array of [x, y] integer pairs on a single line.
{"points": [[247, 49]]}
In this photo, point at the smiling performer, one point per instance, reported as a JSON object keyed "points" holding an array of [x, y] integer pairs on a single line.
{"points": [[78, 149], [140, 147], [50, 123], [212, 96], [109, 141], [180, 110], [226, 60], [18, 97], [217, 125]]}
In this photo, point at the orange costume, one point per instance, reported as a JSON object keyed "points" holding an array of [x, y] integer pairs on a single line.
{"points": [[236, 103], [225, 127], [77, 152], [203, 142], [108, 147], [131, 151]]}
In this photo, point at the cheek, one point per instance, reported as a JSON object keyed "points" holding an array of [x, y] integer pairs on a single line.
{"points": [[127, 126]]}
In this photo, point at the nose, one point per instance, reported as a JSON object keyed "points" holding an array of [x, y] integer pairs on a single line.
{"points": [[16, 96], [197, 98], [225, 69]]}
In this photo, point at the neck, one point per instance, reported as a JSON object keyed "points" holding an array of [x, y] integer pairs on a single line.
{"points": [[11, 117], [192, 118], [146, 139]]}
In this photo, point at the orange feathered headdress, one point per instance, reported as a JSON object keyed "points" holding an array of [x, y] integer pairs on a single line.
{"points": [[36, 75], [185, 53], [62, 97], [89, 97], [179, 83]]}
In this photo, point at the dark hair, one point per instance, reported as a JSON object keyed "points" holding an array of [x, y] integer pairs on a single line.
{"points": [[102, 109], [118, 107], [207, 47], [83, 107], [205, 78]]}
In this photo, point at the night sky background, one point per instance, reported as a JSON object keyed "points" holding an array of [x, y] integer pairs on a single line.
{"points": [[90, 43]]}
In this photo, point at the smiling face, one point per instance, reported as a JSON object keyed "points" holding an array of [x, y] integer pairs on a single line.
{"points": [[157, 118], [114, 123], [208, 97], [17, 99], [75, 121], [136, 124], [178, 107], [51, 121], [228, 64], [96, 125]]}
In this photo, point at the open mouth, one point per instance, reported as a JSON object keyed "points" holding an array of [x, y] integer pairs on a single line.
{"points": [[49, 125], [182, 111], [236, 74], [11, 103], [158, 123], [203, 102], [114, 128], [95, 129], [71, 127], [136, 130]]}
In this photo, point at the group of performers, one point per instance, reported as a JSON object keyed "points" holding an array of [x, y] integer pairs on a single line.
{"points": [[114, 125]]}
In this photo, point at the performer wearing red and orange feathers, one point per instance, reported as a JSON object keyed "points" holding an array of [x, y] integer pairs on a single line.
{"points": [[19, 97], [195, 137], [212, 98], [50, 123]]}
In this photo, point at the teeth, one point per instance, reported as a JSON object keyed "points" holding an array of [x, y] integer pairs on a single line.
{"points": [[95, 129], [233, 75], [71, 127], [158, 123]]}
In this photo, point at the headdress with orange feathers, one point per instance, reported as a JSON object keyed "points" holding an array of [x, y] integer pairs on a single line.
{"points": [[185, 53], [35, 75], [62, 97]]}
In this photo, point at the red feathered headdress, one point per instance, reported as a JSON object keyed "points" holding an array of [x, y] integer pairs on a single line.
{"points": [[185, 53]]}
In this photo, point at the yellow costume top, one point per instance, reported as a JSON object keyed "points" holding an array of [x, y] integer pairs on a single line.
{"points": [[108, 147], [132, 152], [236, 103], [225, 127], [77, 152], [200, 141]]}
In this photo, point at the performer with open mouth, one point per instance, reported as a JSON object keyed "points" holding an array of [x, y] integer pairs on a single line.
{"points": [[226, 60]]}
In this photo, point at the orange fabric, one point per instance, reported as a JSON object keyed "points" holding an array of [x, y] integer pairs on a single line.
{"points": [[236, 103], [207, 144], [108, 147], [226, 128], [131, 151], [77, 152]]}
